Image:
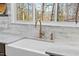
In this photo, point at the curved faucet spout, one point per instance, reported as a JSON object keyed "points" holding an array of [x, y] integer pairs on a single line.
{"points": [[41, 33]]}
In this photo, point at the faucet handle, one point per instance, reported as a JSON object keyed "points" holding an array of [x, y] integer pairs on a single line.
{"points": [[51, 36], [41, 34]]}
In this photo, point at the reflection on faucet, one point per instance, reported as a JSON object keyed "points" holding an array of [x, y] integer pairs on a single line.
{"points": [[41, 33]]}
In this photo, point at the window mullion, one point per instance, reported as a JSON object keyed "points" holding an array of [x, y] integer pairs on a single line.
{"points": [[13, 12], [56, 12], [33, 12]]}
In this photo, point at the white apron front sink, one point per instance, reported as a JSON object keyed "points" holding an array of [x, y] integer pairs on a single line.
{"points": [[27, 47]]}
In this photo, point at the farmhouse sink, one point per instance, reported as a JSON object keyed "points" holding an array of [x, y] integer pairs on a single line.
{"points": [[27, 47]]}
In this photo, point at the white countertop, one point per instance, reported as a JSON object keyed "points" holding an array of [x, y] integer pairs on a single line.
{"points": [[65, 50], [9, 38], [42, 47]]}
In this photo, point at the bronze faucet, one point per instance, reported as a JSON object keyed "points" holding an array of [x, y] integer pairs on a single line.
{"points": [[41, 33]]}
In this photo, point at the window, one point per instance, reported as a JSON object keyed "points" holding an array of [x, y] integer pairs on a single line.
{"points": [[66, 12], [45, 11], [24, 11], [58, 12]]}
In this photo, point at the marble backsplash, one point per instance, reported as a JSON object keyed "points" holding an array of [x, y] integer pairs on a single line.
{"points": [[60, 34]]}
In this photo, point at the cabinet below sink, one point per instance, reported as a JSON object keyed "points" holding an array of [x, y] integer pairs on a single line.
{"points": [[2, 49]]}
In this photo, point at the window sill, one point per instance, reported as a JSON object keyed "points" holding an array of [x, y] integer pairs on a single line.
{"points": [[61, 24]]}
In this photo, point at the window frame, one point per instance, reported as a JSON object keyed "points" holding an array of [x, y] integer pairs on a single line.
{"points": [[49, 23]]}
